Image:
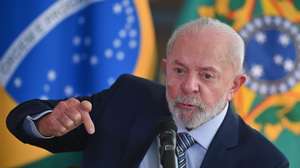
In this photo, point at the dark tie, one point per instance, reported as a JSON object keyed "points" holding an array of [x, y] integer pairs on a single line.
{"points": [[184, 141]]}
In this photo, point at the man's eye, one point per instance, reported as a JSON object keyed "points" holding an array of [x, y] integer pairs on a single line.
{"points": [[208, 76], [179, 70]]}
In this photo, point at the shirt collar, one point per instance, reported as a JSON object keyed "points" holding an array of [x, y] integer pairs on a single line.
{"points": [[204, 134]]}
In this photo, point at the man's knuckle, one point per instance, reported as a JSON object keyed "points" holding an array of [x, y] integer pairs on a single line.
{"points": [[72, 101], [62, 104], [69, 124], [77, 117], [62, 130]]}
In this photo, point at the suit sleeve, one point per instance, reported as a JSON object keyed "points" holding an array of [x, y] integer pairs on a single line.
{"points": [[73, 141]]}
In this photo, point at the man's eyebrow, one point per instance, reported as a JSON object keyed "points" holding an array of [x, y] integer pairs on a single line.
{"points": [[209, 68], [179, 63]]}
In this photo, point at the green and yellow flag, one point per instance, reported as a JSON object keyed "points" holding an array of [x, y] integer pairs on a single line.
{"points": [[56, 49], [270, 100]]}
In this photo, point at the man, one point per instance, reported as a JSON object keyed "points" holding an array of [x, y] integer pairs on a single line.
{"points": [[117, 127]]}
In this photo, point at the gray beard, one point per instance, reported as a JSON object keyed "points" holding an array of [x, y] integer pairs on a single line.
{"points": [[199, 117]]}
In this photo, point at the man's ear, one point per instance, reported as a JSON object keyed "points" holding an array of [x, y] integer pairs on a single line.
{"points": [[237, 83], [163, 65]]}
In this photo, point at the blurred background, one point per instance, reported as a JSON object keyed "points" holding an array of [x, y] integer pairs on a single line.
{"points": [[165, 14], [56, 49]]}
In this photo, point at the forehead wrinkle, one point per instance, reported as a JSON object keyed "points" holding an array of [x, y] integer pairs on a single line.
{"points": [[219, 42], [209, 69], [216, 45]]}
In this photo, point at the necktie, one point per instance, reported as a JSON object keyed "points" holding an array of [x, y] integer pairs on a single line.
{"points": [[184, 141]]}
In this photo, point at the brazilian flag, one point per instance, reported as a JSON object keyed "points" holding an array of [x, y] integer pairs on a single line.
{"points": [[270, 100], [56, 49]]}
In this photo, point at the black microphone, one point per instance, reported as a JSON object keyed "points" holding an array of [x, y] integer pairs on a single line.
{"points": [[167, 136]]}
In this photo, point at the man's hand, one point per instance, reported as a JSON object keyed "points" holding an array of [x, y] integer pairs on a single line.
{"points": [[66, 116]]}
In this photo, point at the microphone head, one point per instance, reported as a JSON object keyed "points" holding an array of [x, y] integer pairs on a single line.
{"points": [[167, 123], [167, 142]]}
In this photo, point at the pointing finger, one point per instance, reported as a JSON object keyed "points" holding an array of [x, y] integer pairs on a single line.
{"points": [[88, 123], [86, 107]]}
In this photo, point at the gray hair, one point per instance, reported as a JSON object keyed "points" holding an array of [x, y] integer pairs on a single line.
{"points": [[237, 46]]}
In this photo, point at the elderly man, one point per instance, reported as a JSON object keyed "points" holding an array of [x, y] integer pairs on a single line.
{"points": [[117, 127]]}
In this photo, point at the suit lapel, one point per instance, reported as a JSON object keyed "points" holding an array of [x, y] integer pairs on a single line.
{"points": [[225, 138]]}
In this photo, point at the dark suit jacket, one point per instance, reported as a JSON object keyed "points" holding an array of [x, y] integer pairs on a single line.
{"points": [[126, 117]]}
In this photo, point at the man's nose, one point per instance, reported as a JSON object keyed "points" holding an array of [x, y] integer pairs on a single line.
{"points": [[190, 85]]}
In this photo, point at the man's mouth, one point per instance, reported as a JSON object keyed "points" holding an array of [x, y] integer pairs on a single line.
{"points": [[185, 106]]}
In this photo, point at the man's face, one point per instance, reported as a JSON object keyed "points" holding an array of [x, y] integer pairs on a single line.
{"points": [[200, 78]]}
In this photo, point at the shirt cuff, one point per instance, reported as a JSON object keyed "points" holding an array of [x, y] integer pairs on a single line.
{"points": [[30, 127]]}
